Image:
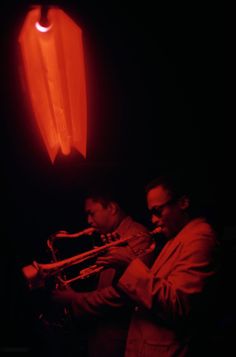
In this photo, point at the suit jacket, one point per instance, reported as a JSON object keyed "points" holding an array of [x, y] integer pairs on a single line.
{"points": [[168, 294], [111, 311]]}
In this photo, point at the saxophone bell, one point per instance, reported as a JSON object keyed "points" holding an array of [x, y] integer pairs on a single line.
{"points": [[34, 276]]}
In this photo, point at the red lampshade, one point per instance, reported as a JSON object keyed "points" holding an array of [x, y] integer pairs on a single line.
{"points": [[53, 63]]}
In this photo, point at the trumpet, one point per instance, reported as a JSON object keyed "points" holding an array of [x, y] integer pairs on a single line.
{"points": [[36, 273]]}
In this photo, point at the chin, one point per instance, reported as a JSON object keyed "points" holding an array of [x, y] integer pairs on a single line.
{"points": [[167, 233]]}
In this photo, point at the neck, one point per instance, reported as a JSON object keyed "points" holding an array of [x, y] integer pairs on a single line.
{"points": [[118, 219], [185, 221]]}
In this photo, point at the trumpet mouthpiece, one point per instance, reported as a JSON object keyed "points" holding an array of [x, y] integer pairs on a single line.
{"points": [[157, 230]]}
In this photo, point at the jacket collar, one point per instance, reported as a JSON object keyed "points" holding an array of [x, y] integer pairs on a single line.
{"points": [[124, 226], [173, 243]]}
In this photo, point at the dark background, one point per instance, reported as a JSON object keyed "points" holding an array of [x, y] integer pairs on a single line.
{"points": [[155, 85]]}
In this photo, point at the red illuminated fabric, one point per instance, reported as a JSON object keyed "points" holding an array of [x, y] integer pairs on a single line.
{"points": [[53, 67]]}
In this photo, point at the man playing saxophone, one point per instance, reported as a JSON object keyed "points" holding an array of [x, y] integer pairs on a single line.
{"points": [[108, 321]]}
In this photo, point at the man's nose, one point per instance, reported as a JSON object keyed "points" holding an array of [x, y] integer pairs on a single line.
{"points": [[89, 220], [155, 219]]}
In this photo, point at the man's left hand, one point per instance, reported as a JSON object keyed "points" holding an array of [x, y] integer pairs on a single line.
{"points": [[118, 257], [63, 296]]}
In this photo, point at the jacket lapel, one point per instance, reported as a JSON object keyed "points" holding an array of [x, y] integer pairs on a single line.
{"points": [[165, 254]]}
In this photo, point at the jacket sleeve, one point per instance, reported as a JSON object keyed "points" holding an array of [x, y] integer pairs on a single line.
{"points": [[105, 300], [97, 303], [171, 298], [142, 240]]}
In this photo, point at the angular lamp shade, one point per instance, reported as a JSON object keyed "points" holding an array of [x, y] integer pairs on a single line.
{"points": [[53, 66]]}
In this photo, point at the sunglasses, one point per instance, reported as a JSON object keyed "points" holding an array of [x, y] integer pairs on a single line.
{"points": [[157, 210]]}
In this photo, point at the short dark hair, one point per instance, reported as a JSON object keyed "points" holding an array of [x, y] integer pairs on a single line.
{"points": [[182, 184], [177, 186], [102, 198], [104, 193]]}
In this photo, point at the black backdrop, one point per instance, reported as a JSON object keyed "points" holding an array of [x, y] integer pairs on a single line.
{"points": [[155, 102]]}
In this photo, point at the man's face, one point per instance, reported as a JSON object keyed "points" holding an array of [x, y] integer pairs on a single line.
{"points": [[166, 213], [99, 217]]}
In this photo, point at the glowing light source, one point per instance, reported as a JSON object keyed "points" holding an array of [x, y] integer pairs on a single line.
{"points": [[41, 28], [53, 63]]}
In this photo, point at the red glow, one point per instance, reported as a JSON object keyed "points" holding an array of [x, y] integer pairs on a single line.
{"points": [[54, 71]]}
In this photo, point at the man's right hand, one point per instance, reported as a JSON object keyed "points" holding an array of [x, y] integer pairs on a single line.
{"points": [[117, 257], [149, 255]]}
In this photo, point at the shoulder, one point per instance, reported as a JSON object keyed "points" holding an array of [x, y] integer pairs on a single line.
{"points": [[136, 227], [198, 227], [130, 226], [199, 235]]}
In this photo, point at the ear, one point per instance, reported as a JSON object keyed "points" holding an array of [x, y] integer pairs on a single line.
{"points": [[113, 207], [184, 202]]}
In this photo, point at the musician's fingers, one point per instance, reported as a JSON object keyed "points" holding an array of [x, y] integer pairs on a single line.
{"points": [[109, 237], [103, 238], [103, 261], [151, 248], [112, 249], [116, 236]]}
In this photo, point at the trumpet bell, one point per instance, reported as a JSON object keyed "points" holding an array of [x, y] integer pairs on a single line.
{"points": [[30, 271]]}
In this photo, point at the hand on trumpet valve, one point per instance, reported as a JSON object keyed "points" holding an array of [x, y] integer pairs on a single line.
{"points": [[118, 257], [64, 297], [109, 237]]}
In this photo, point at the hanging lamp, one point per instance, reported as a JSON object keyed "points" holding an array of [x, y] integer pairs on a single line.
{"points": [[54, 72]]}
